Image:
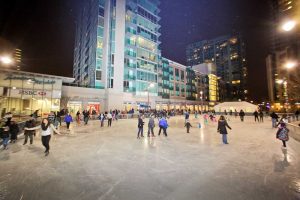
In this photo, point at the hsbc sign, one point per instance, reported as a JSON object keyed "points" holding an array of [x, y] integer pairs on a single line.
{"points": [[24, 93], [32, 93]]}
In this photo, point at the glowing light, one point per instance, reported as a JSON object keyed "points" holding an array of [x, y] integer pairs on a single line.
{"points": [[6, 60], [290, 65], [289, 25]]}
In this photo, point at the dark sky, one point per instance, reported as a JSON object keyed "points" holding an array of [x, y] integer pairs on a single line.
{"points": [[44, 30]]}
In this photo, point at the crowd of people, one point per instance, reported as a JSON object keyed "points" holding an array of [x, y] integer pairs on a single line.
{"points": [[49, 125]]}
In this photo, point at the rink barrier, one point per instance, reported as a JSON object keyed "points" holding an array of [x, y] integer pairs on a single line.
{"points": [[294, 131]]}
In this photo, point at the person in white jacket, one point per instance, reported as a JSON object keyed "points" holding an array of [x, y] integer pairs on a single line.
{"points": [[46, 131]]}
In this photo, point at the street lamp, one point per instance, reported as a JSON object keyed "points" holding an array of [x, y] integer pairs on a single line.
{"points": [[288, 25], [290, 64], [6, 60], [150, 86]]}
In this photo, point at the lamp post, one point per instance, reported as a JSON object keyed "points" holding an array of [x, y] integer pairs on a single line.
{"points": [[148, 91], [201, 97]]}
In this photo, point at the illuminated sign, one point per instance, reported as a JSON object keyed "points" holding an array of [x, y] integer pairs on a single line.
{"points": [[30, 79]]}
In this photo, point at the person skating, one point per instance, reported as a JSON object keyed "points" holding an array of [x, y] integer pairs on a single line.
{"points": [[274, 118], [140, 127], [261, 116], [256, 116], [5, 136], [222, 124], [86, 116], [188, 126], [297, 113], [282, 133], [46, 131], [242, 115], [101, 118], [109, 119], [51, 117], [14, 130], [163, 125], [78, 117], [68, 120], [29, 133], [151, 125]]}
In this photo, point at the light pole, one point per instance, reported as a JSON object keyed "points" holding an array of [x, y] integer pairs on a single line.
{"points": [[201, 97], [150, 86]]}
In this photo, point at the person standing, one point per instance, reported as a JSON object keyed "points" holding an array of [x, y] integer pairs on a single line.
{"points": [[5, 136], [242, 115], [109, 119], [78, 117], [261, 116], [102, 118], [51, 117], [256, 116], [140, 127], [58, 117], [222, 124], [163, 125], [14, 130], [297, 113], [47, 130], [68, 120], [186, 115], [86, 116], [188, 126], [274, 117], [29, 133], [151, 125], [235, 113]]}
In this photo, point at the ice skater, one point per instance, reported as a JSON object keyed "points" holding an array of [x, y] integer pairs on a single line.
{"points": [[188, 126], [47, 129], [151, 125], [222, 124], [5, 137], [140, 127]]}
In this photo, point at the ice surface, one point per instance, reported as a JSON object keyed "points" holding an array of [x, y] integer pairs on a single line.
{"points": [[96, 163]]}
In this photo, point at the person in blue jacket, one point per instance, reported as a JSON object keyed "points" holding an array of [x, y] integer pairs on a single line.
{"points": [[68, 120], [163, 125]]}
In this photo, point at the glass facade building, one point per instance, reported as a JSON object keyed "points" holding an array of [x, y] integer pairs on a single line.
{"points": [[117, 46], [228, 54]]}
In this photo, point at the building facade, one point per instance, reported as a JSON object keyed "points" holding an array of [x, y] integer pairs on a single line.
{"points": [[228, 54], [118, 46], [285, 47]]}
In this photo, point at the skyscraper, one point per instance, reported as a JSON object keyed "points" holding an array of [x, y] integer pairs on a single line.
{"points": [[117, 45], [228, 54], [285, 48]]}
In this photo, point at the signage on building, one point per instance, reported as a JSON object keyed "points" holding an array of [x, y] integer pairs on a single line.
{"points": [[31, 79], [28, 93]]}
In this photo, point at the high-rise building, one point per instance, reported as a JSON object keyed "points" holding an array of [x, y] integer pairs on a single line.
{"points": [[228, 54], [285, 48], [117, 45]]}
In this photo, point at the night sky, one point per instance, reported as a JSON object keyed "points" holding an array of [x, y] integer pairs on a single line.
{"points": [[45, 31]]}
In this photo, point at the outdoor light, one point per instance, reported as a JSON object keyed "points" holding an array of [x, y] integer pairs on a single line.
{"points": [[290, 64], [289, 25], [279, 81], [151, 85], [6, 60]]}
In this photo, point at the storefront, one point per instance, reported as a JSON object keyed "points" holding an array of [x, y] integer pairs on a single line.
{"points": [[22, 93]]}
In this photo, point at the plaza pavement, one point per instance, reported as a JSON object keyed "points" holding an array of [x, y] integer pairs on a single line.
{"points": [[93, 163]]}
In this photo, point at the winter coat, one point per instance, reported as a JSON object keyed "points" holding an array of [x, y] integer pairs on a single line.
{"points": [[274, 116], [163, 123], [222, 124], [29, 124], [68, 118], [255, 114], [151, 123], [5, 134], [14, 129], [86, 114], [242, 114], [140, 123], [188, 125]]}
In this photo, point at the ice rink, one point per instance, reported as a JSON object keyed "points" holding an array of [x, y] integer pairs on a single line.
{"points": [[93, 163]]}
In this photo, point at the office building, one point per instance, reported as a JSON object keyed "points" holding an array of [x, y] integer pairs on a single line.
{"points": [[228, 54], [117, 45], [285, 48]]}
